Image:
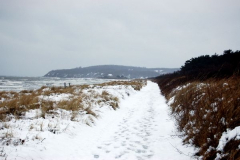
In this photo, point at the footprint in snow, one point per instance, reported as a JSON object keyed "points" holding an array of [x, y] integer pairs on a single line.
{"points": [[96, 156]]}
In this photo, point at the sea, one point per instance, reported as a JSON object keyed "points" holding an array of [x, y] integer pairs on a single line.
{"points": [[8, 83]]}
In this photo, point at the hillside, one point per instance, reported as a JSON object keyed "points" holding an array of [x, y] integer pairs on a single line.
{"points": [[110, 71], [204, 97]]}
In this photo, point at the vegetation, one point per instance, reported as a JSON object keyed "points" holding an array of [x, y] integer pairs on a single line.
{"points": [[205, 100], [53, 108], [215, 66], [16, 104]]}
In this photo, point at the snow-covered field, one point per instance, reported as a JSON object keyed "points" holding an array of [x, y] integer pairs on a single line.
{"points": [[140, 129]]}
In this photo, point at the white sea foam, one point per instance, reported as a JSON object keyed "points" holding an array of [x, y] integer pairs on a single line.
{"points": [[31, 83]]}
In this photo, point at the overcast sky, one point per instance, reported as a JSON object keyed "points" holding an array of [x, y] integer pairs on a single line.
{"points": [[37, 36]]}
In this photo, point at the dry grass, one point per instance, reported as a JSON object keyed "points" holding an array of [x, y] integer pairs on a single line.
{"points": [[111, 100], [18, 103], [205, 110], [4, 95], [89, 111], [45, 107], [136, 84], [74, 104]]}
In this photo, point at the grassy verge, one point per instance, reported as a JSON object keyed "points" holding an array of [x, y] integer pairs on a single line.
{"points": [[204, 110]]}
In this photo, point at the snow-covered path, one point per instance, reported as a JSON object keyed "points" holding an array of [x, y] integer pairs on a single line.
{"points": [[145, 131], [140, 129]]}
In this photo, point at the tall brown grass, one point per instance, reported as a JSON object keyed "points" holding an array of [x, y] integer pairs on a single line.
{"points": [[18, 103], [136, 84], [204, 110]]}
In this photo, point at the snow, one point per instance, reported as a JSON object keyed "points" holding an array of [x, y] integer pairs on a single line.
{"points": [[158, 71], [171, 101], [227, 136], [140, 129], [56, 97]]}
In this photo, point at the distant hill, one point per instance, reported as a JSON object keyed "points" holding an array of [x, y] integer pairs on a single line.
{"points": [[110, 71]]}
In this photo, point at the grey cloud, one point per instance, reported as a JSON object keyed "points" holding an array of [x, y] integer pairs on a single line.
{"points": [[38, 36]]}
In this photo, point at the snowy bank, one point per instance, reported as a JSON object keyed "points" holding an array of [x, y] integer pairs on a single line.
{"points": [[207, 114], [139, 128], [29, 118]]}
